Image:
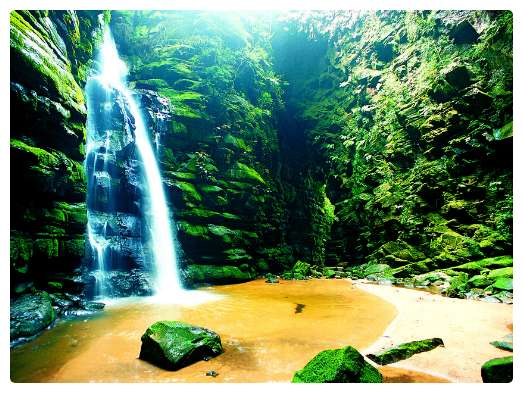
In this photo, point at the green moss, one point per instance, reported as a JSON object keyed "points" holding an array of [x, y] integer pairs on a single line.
{"points": [[184, 175], [204, 213], [35, 56], [329, 273], [237, 254], [245, 172], [338, 365], [458, 286], [189, 190], [51, 170], [301, 269], [503, 283], [503, 272], [504, 132], [236, 142], [45, 248], [379, 269], [498, 370], [58, 286], [173, 345], [210, 189], [155, 84], [21, 252], [199, 231], [479, 281], [405, 351], [216, 274]]}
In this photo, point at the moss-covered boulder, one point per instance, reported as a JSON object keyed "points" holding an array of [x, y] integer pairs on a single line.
{"points": [[338, 365], [498, 370], [405, 351], [30, 314], [172, 345]]}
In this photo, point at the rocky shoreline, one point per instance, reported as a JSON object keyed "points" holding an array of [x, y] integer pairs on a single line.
{"points": [[466, 326]]}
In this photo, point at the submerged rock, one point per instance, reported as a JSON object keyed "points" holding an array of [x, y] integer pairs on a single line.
{"points": [[405, 351], [172, 345], [338, 365], [506, 343], [497, 370], [30, 314]]}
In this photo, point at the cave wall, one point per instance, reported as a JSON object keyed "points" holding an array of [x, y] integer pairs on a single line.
{"points": [[51, 52], [411, 117]]}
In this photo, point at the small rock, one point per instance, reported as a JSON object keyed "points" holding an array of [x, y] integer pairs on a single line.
{"points": [[491, 299], [507, 346], [270, 279]]}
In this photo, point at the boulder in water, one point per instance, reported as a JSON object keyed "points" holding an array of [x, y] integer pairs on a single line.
{"points": [[497, 370], [30, 314], [338, 365], [405, 351], [172, 345]]}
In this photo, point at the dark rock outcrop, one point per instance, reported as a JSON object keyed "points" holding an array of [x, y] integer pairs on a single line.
{"points": [[51, 52], [30, 314], [173, 345]]}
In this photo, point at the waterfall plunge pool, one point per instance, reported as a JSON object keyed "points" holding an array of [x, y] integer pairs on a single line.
{"points": [[264, 339]]}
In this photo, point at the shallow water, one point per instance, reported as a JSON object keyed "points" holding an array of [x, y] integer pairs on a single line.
{"points": [[268, 332]]}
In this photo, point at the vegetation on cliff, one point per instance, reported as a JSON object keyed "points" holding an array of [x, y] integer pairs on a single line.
{"points": [[374, 144]]}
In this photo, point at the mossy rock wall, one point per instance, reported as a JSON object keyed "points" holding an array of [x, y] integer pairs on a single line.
{"points": [[50, 55], [408, 116], [321, 137], [220, 159]]}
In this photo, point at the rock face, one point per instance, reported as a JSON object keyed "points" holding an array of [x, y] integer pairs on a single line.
{"points": [[220, 154], [50, 55], [417, 166], [498, 370], [393, 150], [338, 365], [173, 345], [405, 351], [30, 314]]}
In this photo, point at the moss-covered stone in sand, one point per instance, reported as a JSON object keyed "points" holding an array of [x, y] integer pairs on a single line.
{"points": [[338, 365]]}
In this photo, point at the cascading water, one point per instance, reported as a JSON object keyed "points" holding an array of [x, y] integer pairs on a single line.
{"points": [[112, 78]]}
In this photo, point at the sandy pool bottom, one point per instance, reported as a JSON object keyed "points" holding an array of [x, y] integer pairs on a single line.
{"points": [[268, 332]]}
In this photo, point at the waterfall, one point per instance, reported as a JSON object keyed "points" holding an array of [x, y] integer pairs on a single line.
{"points": [[111, 77]]}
